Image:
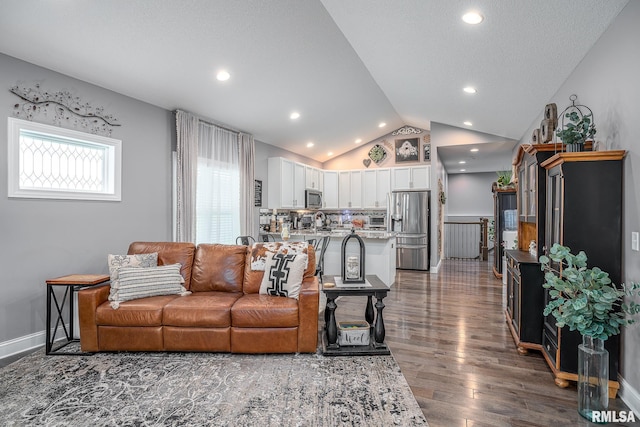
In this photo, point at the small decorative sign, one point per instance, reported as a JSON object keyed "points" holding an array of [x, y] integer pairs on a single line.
{"points": [[427, 152], [257, 198]]}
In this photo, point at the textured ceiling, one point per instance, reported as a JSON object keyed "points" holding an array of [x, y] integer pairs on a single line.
{"points": [[344, 65]]}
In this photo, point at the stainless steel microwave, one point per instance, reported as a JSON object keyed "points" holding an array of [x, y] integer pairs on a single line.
{"points": [[313, 199]]}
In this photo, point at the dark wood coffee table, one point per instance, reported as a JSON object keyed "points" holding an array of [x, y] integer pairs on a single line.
{"points": [[330, 346]]}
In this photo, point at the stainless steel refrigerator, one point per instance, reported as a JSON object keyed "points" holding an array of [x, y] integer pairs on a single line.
{"points": [[409, 217]]}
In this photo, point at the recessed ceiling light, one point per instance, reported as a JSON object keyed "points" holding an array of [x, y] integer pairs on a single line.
{"points": [[474, 150], [463, 170], [309, 144], [330, 153], [358, 141], [294, 115], [462, 162], [470, 89], [382, 124], [223, 76], [472, 18], [468, 123]]}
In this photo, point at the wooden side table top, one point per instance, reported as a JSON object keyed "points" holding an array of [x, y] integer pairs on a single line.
{"points": [[79, 279]]}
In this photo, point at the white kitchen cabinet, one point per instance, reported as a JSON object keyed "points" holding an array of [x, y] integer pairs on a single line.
{"points": [[411, 178], [313, 178], [350, 189], [286, 183], [376, 184], [330, 190]]}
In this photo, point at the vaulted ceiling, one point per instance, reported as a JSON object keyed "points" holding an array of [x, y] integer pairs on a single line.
{"points": [[344, 66]]}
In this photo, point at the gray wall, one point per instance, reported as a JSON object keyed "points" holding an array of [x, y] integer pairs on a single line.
{"points": [[607, 82], [470, 194], [42, 239]]}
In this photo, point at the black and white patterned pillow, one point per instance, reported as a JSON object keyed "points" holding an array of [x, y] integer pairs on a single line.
{"points": [[283, 275]]}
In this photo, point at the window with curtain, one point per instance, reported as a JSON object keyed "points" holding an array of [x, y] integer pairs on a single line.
{"points": [[218, 186]]}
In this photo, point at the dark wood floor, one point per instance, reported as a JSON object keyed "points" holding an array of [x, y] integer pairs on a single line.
{"points": [[448, 333]]}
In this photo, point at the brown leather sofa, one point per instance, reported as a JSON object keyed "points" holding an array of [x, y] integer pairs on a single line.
{"points": [[223, 313]]}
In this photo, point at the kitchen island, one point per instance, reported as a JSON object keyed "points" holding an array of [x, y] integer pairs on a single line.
{"points": [[380, 250]]}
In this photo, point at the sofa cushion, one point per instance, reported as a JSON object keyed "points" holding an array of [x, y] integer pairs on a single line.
{"points": [[142, 282], [139, 312], [169, 253], [264, 311], [201, 310], [218, 268], [283, 275]]}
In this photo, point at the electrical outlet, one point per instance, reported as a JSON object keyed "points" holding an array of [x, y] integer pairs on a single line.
{"points": [[635, 241]]}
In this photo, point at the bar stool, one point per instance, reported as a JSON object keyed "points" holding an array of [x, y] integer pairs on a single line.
{"points": [[245, 240]]}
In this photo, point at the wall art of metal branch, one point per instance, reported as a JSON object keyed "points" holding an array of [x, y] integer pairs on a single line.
{"points": [[407, 130], [61, 107]]}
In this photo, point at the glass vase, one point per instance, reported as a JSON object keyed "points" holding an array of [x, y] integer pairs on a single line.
{"points": [[593, 377]]}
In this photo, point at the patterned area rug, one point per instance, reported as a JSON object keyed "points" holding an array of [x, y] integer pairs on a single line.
{"points": [[201, 389]]}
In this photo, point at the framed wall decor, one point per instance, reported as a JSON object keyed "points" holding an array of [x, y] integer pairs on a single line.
{"points": [[407, 150], [257, 197], [426, 150]]}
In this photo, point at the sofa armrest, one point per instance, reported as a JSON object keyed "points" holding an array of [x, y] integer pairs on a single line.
{"points": [[88, 301], [308, 302]]}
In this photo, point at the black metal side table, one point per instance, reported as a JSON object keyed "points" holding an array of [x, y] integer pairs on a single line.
{"points": [[376, 346], [71, 284]]}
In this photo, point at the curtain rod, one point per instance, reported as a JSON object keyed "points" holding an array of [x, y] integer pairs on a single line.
{"points": [[212, 122]]}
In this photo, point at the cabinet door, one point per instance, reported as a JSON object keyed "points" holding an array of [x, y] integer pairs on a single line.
{"points": [[287, 192], [355, 189], [312, 178], [369, 188], [344, 189], [523, 193], [383, 186], [298, 185], [401, 178], [533, 185], [554, 207], [330, 191], [420, 177]]}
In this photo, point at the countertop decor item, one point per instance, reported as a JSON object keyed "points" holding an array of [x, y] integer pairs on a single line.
{"points": [[584, 299], [377, 153], [353, 265], [580, 127]]}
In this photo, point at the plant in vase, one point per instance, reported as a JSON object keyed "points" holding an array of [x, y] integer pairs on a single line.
{"points": [[579, 129], [504, 179], [585, 300]]}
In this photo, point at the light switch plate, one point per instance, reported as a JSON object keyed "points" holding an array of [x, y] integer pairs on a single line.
{"points": [[635, 241]]}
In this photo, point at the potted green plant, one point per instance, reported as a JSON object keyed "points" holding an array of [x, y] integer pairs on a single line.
{"points": [[585, 300], [579, 129], [504, 179]]}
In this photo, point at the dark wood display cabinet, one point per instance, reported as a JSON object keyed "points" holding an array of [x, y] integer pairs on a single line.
{"points": [[583, 212], [525, 300], [503, 200], [525, 294]]}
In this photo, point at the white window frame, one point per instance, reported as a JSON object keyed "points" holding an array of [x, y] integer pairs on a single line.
{"points": [[112, 164]]}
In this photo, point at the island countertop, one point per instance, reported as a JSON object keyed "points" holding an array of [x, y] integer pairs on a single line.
{"points": [[338, 234]]}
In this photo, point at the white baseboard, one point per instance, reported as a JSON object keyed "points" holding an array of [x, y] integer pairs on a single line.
{"points": [[434, 270], [26, 343], [630, 396]]}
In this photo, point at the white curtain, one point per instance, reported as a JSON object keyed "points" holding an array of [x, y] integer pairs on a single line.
{"points": [[186, 176], [215, 182], [247, 193]]}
